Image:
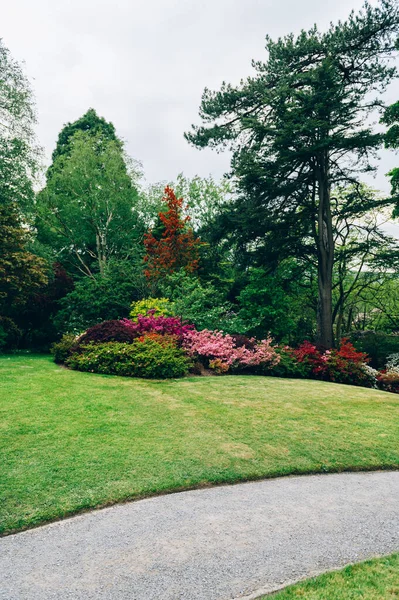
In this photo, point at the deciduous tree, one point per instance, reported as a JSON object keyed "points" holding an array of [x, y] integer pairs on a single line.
{"points": [[174, 246]]}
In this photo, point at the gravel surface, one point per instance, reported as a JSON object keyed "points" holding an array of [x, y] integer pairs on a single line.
{"points": [[210, 544]]}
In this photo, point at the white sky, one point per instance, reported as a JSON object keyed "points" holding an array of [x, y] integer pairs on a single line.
{"points": [[144, 64]]}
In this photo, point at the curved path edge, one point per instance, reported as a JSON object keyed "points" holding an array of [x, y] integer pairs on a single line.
{"points": [[219, 543]]}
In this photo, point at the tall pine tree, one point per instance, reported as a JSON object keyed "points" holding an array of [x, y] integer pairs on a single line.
{"points": [[300, 127]]}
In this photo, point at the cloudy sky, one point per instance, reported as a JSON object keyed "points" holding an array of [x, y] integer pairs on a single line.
{"points": [[144, 64]]}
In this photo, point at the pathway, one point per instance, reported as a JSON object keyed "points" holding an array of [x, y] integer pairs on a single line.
{"points": [[211, 544]]}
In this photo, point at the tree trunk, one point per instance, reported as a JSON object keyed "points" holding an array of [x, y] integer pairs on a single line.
{"points": [[325, 247]]}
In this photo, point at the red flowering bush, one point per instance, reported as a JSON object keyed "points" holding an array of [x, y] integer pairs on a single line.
{"points": [[308, 354], [344, 365], [220, 352], [160, 325]]}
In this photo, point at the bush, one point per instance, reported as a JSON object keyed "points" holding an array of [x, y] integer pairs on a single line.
{"points": [[243, 341], [218, 351], [159, 307], [108, 331], [392, 361], [10, 334], [288, 365], [344, 365], [146, 357], [203, 305], [103, 297], [377, 345], [161, 325], [62, 350], [389, 381]]}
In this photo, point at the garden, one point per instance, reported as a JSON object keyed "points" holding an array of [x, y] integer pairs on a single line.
{"points": [[196, 331], [154, 343]]}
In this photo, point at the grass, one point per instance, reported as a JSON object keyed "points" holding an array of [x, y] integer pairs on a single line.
{"points": [[71, 441], [376, 579]]}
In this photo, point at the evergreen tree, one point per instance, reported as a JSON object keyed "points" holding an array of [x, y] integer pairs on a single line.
{"points": [[91, 123], [299, 128]]}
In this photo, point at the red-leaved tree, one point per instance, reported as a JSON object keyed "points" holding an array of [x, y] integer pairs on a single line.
{"points": [[177, 247]]}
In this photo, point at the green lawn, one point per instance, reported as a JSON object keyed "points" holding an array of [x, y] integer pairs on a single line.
{"points": [[71, 441], [372, 580]]}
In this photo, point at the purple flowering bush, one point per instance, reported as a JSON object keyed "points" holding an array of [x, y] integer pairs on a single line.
{"points": [[157, 324]]}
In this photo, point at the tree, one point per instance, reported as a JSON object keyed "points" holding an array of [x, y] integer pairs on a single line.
{"points": [[364, 254], [297, 129], [18, 152], [86, 211], [173, 246], [391, 118], [21, 272], [89, 123]]}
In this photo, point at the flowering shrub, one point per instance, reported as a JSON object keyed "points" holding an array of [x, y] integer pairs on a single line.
{"points": [[389, 381], [158, 307], [108, 331], [288, 365], [145, 357], [161, 325], [219, 351], [392, 361], [218, 366], [372, 375], [308, 354], [345, 365]]}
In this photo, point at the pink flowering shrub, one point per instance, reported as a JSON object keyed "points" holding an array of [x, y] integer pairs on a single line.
{"points": [[219, 351], [160, 325]]}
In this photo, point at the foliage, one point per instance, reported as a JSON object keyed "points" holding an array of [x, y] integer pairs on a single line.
{"points": [[103, 297], [86, 211], [18, 151], [202, 305], [62, 350], [391, 119], [108, 331], [171, 326], [389, 381], [176, 247], [298, 128], [21, 272], [377, 345], [288, 365], [365, 256], [158, 307], [342, 365], [392, 361], [274, 303], [147, 357], [10, 334], [89, 123], [219, 351]]}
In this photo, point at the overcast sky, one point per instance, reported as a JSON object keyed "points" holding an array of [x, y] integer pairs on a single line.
{"points": [[144, 64]]}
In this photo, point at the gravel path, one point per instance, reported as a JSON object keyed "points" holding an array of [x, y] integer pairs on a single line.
{"points": [[211, 544]]}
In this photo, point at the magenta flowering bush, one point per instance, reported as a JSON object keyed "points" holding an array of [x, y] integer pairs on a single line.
{"points": [[161, 325], [219, 351]]}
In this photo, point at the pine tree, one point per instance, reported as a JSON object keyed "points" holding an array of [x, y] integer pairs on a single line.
{"points": [[300, 127]]}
